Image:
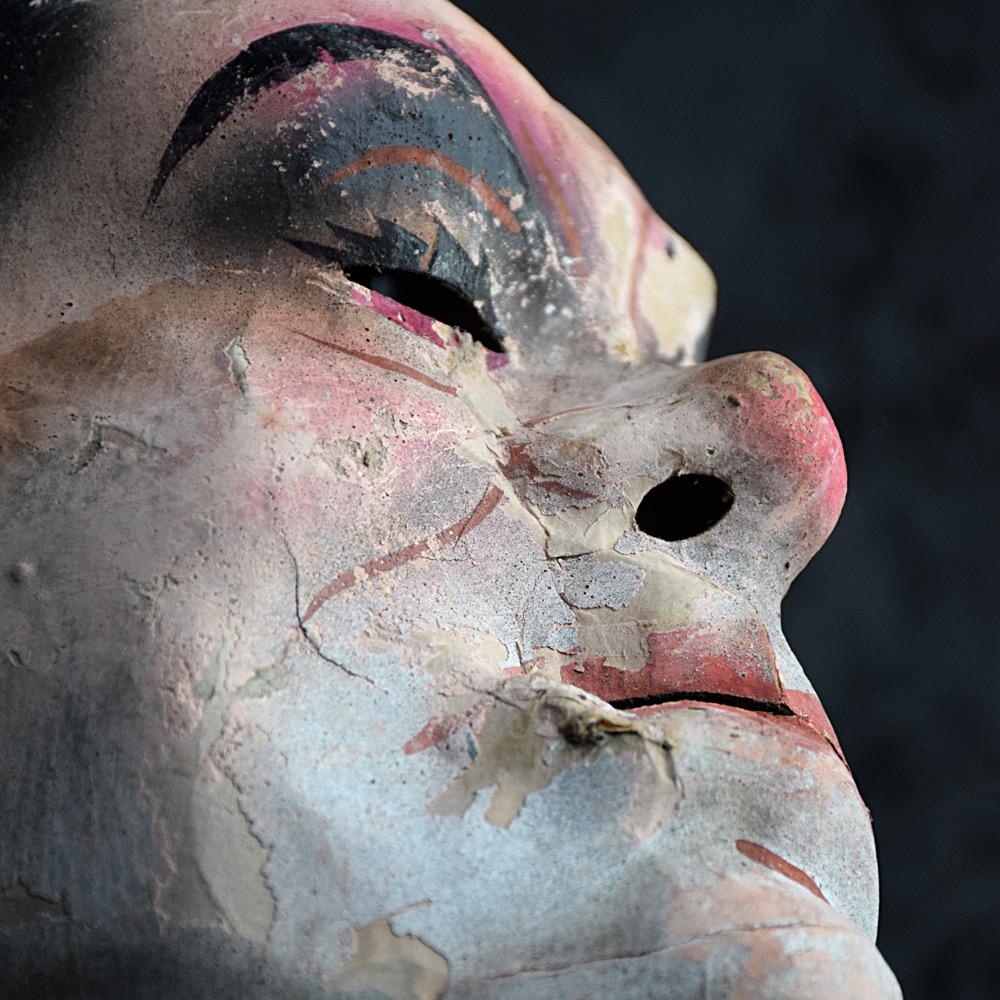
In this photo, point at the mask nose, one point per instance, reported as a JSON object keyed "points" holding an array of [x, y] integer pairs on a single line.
{"points": [[709, 488], [761, 467], [734, 464]]}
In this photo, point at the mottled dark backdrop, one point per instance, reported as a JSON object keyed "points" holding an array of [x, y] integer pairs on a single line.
{"points": [[837, 164]]}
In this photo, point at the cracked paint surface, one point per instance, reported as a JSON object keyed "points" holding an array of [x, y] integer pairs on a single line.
{"points": [[333, 661]]}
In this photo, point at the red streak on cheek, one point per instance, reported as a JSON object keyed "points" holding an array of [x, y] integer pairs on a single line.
{"points": [[386, 364], [521, 466], [436, 731], [776, 863], [688, 660], [383, 564]]}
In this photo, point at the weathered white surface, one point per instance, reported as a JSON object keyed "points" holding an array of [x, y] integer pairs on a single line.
{"points": [[288, 588]]}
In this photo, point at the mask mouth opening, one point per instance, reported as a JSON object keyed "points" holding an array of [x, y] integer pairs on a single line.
{"points": [[684, 506], [708, 697], [430, 296]]}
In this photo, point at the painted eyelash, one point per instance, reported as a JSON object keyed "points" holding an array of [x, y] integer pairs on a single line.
{"points": [[448, 289]]}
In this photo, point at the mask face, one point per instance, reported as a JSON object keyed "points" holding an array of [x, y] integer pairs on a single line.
{"points": [[391, 599]]}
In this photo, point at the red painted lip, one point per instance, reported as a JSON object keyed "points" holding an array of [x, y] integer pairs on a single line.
{"points": [[732, 666], [726, 668], [811, 729]]}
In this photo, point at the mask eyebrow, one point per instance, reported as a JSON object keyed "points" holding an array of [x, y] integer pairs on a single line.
{"points": [[277, 58]]}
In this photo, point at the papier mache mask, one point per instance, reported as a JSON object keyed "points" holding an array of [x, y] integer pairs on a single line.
{"points": [[390, 600]]}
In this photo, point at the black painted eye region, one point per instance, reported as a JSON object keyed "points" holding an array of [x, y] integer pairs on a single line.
{"points": [[450, 289], [367, 146], [429, 296], [684, 506]]}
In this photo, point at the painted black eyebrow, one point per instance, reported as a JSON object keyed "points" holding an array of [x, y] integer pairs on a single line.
{"points": [[279, 57]]}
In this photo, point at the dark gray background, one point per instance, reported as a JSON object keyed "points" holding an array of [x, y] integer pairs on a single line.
{"points": [[835, 162]]}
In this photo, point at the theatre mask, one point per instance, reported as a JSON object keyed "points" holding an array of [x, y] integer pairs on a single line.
{"points": [[390, 599]]}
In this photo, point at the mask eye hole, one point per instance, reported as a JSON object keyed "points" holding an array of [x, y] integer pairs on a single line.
{"points": [[430, 296], [684, 506]]}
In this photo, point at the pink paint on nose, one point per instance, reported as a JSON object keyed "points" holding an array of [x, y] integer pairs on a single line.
{"points": [[773, 412]]}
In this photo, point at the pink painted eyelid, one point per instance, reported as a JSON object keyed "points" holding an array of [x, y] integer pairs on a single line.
{"points": [[413, 321]]}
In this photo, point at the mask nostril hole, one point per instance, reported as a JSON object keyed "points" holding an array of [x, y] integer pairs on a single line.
{"points": [[684, 506]]}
